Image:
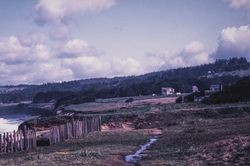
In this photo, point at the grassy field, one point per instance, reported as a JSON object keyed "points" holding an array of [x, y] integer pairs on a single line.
{"points": [[201, 139], [190, 134], [116, 104]]}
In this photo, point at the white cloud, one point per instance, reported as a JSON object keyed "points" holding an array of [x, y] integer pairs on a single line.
{"points": [[77, 48], [234, 42], [103, 66], [11, 50], [240, 4], [126, 66], [194, 47], [33, 73], [31, 39], [57, 11], [163, 60], [49, 72], [41, 52], [31, 60], [34, 60], [194, 53], [87, 67], [15, 51], [60, 32], [73, 48], [26, 60]]}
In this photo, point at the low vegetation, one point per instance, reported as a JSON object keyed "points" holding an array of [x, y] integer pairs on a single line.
{"points": [[238, 92], [103, 149], [188, 134]]}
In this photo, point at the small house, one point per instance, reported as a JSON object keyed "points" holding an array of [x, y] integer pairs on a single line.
{"points": [[195, 89], [213, 88], [216, 88], [167, 91]]}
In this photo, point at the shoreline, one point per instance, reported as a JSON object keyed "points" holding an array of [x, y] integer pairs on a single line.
{"points": [[9, 123]]}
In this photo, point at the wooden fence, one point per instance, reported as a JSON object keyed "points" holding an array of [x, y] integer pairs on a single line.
{"points": [[74, 129], [17, 141], [24, 140]]}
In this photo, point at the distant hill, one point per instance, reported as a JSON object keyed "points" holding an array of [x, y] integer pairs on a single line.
{"points": [[221, 71]]}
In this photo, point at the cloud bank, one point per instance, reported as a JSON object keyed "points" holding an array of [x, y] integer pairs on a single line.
{"points": [[57, 56], [234, 42], [193, 53], [34, 59], [29, 60]]}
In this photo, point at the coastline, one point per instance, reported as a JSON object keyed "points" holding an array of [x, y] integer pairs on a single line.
{"points": [[9, 123], [15, 114]]}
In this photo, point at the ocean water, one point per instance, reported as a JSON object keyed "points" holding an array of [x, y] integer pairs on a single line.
{"points": [[11, 122]]}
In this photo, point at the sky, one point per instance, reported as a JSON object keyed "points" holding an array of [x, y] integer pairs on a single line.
{"points": [[51, 41]]}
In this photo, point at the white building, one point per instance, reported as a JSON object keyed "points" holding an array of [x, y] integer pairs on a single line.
{"points": [[213, 88], [195, 88], [216, 87], [167, 91]]}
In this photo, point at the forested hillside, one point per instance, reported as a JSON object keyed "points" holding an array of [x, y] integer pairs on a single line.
{"points": [[180, 79]]}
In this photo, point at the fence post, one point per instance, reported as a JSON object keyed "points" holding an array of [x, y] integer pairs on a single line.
{"points": [[67, 130], [21, 141], [61, 133], [30, 139], [0, 143], [11, 142], [58, 133], [18, 141], [83, 126], [77, 129], [34, 139], [63, 128], [25, 137], [14, 135], [96, 124], [27, 140], [100, 123], [73, 133], [7, 140], [4, 142], [86, 125], [92, 124], [51, 136]]}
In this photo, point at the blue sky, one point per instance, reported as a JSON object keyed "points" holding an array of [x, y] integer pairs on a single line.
{"points": [[95, 38]]}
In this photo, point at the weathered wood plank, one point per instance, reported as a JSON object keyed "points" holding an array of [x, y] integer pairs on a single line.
{"points": [[1, 143]]}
